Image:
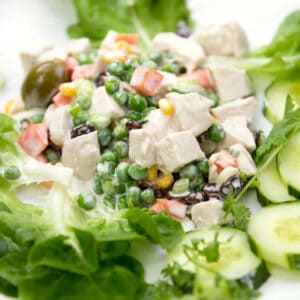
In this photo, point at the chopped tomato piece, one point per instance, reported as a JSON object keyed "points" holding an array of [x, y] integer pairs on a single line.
{"points": [[224, 160], [34, 139], [70, 64], [172, 207], [47, 184], [83, 72], [146, 80], [202, 77], [60, 99], [131, 38]]}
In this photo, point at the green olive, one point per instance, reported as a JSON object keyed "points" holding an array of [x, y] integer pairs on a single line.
{"points": [[42, 82]]}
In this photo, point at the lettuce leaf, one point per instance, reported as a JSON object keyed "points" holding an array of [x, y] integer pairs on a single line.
{"points": [[146, 17]]}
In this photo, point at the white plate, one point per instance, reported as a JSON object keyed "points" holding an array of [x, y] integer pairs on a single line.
{"points": [[24, 22]]}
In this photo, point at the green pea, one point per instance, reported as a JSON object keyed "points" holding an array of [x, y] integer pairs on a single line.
{"points": [[170, 67], [85, 58], [112, 85], [12, 173], [147, 111], [180, 186], [80, 118], [104, 137], [133, 195], [122, 202], [120, 132], [110, 200], [132, 115], [189, 171], [108, 186], [36, 119], [122, 172], [109, 156], [84, 101], [116, 68], [121, 97], [128, 75], [147, 196], [121, 149], [52, 155], [75, 108], [197, 184], [150, 64], [120, 188], [87, 200], [131, 63], [97, 186], [99, 121], [156, 56], [203, 166], [137, 172], [152, 100], [137, 103], [215, 133], [84, 87], [111, 166]]}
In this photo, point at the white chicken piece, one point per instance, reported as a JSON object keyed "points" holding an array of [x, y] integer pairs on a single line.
{"points": [[213, 170], [30, 55], [192, 111], [81, 154], [169, 81], [60, 124], [176, 150], [241, 107], [187, 52], [59, 54], [103, 103], [237, 132], [160, 124], [109, 41], [142, 147], [245, 161], [224, 40], [231, 83], [208, 213], [79, 46]]}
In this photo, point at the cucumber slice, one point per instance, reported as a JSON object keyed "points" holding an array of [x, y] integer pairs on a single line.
{"points": [[235, 261], [288, 161], [275, 231], [276, 96], [271, 188]]}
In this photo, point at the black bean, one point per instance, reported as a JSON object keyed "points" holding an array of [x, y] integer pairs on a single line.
{"points": [[133, 124], [233, 184], [158, 192], [257, 136], [211, 190], [99, 80], [81, 130], [183, 30], [190, 199], [24, 123]]}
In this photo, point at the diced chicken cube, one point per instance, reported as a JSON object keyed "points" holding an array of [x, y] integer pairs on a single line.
{"points": [[226, 174], [245, 161], [100, 64], [81, 154], [169, 81], [237, 132], [78, 46], [29, 56], [52, 54], [187, 52], [48, 114], [207, 213], [160, 124], [231, 83], [103, 103], [142, 147], [213, 170], [192, 111], [225, 40], [109, 40], [187, 224], [242, 107], [60, 124], [176, 150]]}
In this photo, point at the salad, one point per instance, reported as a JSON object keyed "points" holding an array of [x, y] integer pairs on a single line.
{"points": [[137, 142]]}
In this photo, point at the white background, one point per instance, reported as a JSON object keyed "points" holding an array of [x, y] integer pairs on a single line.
{"points": [[23, 22]]}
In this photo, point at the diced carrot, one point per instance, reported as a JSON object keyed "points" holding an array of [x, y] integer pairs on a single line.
{"points": [[225, 159], [203, 77], [172, 207], [34, 139], [41, 158], [83, 72], [59, 99], [146, 80], [131, 38], [70, 64], [47, 184]]}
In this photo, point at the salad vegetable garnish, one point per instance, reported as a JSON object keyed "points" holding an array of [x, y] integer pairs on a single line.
{"points": [[136, 144]]}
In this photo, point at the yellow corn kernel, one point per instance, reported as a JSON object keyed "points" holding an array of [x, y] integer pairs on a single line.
{"points": [[14, 105], [215, 120], [152, 173], [164, 180], [166, 106], [68, 89], [113, 55], [123, 46]]}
